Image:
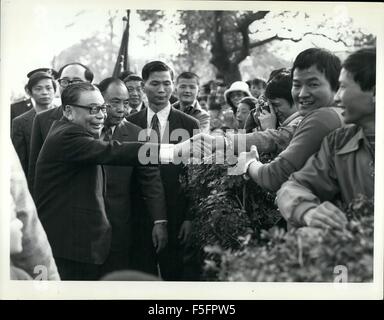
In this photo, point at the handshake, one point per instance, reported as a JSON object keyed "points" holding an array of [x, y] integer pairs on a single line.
{"points": [[202, 147]]}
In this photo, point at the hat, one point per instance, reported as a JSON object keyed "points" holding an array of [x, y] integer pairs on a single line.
{"points": [[37, 76], [237, 86], [50, 71]]}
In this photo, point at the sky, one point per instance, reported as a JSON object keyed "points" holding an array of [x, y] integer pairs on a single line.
{"points": [[35, 31]]}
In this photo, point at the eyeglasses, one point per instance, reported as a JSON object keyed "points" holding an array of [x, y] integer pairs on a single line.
{"points": [[93, 109], [65, 82]]}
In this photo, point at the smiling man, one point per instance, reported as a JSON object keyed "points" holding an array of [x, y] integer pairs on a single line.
{"points": [[128, 188], [187, 89], [344, 166], [315, 75]]}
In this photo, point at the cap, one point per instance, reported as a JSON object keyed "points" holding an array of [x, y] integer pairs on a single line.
{"points": [[237, 86], [37, 76], [49, 71]]}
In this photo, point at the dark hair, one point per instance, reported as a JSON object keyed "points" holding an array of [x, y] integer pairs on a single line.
{"points": [[125, 74], [47, 70], [188, 75], [250, 101], [362, 65], [88, 74], [256, 82], [36, 77], [279, 86], [324, 60], [133, 77], [72, 93], [105, 83], [155, 66]]}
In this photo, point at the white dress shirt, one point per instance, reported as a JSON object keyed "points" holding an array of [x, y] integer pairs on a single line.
{"points": [[162, 115]]}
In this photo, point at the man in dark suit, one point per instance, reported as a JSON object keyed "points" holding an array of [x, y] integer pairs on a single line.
{"points": [[68, 74], [20, 107], [70, 187], [166, 122], [41, 88], [134, 84], [123, 182]]}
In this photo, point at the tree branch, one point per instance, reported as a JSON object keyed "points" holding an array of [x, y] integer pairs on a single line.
{"points": [[249, 18]]}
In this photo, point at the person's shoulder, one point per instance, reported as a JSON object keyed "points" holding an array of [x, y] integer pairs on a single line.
{"points": [[138, 115], [185, 117], [340, 136], [128, 126]]}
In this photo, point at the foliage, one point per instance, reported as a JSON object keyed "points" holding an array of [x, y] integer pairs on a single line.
{"points": [[305, 254]]}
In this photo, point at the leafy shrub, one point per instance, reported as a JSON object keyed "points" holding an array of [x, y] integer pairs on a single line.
{"points": [[305, 254]]}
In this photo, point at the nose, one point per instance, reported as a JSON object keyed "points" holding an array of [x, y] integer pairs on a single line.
{"points": [[303, 92], [337, 97]]}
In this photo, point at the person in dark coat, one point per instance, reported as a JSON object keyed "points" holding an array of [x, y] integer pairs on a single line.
{"points": [[127, 188], [41, 88], [165, 121], [68, 74]]}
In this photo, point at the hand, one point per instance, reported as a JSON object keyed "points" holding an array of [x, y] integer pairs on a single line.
{"points": [[185, 232], [268, 120], [243, 162], [159, 236], [324, 216], [198, 147]]}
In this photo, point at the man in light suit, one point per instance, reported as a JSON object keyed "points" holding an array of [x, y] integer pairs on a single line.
{"points": [[128, 188], [68, 74], [165, 120]]}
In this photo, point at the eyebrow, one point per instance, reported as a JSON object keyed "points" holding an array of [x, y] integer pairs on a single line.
{"points": [[309, 79]]}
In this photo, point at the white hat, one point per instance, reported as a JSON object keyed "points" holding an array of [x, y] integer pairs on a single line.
{"points": [[237, 86]]}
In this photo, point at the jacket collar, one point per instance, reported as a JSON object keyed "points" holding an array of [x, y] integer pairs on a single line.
{"points": [[353, 144], [292, 117]]}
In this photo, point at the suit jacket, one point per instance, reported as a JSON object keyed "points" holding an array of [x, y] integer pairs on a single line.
{"points": [[131, 188], [170, 173], [40, 128], [18, 108], [70, 189], [198, 113], [21, 136]]}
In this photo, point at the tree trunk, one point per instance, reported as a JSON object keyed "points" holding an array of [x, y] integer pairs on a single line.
{"points": [[220, 56], [229, 71]]}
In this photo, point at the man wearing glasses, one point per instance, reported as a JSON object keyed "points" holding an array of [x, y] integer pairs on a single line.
{"points": [[128, 188], [134, 84], [70, 186], [68, 74]]}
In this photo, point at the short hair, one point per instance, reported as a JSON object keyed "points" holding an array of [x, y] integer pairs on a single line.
{"points": [[250, 101], [71, 94], [188, 75], [125, 74], [324, 60], [36, 77], [88, 74], [362, 65], [133, 77], [155, 66], [279, 86], [256, 82], [105, 83]]}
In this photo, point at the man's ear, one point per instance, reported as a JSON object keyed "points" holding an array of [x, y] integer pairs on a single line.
{"points": [[68, 112], [29, 93]]}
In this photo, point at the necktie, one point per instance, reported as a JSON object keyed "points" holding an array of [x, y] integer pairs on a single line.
{"points": [[133, 111], [107, 133], [155, 126]]}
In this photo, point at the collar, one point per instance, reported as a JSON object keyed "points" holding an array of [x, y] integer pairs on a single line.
{"points": [[291, 118], [163, 114], [353, 144]]}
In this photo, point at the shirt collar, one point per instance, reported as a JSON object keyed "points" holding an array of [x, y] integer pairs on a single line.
{"points": [[353, 144]]}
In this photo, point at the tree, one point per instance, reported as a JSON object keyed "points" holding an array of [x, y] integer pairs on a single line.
{"points": [[231, 36]]}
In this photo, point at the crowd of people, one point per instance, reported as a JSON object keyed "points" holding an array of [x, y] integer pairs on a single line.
{"points": [[97, 191]]}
